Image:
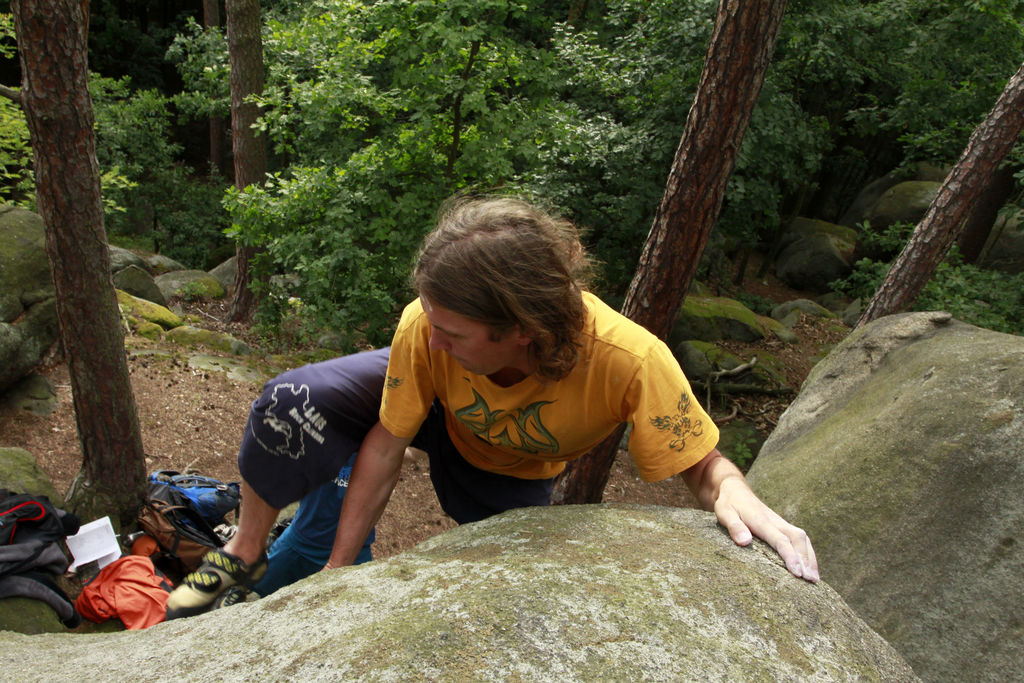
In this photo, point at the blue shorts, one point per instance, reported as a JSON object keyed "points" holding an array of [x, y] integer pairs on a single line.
{"points": [[309, 420], [305, 545]]}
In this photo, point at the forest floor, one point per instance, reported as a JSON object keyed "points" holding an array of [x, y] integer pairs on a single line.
{"points": [[193, 420]]}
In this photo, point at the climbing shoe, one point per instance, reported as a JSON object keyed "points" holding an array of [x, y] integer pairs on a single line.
{"points": [[218, 573], [231, 596]]}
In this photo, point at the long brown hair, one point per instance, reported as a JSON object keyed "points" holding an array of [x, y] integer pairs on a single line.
{"points": [[504, 262]]}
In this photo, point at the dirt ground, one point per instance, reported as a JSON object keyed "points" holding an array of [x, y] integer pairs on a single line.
{"points": [[193, 420]]}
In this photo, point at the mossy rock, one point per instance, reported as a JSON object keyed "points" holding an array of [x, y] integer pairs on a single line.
{"points": [[192, 337], [190, 285], [712, 318], [149, 330], [20, 472], [147, 310], [29, 616]]}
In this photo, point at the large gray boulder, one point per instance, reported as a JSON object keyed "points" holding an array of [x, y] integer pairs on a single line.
{"points": [[225, 273], [28, 314], [578, 593], [902, 458]]}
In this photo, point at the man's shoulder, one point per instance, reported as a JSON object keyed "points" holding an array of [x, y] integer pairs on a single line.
{"points": [[611, 329], [412, 315]]}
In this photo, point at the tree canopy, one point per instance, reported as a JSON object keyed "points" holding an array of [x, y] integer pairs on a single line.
{"points": [[374, 112]]}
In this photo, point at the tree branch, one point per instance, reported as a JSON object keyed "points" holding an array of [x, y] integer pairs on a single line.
{"points": [[11, 93]]}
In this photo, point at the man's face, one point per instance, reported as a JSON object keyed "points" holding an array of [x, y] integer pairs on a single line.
{"points": [[473, 344]]}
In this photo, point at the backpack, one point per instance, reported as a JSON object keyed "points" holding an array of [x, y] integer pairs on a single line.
{"points": [[181, 513], [31, 557]]}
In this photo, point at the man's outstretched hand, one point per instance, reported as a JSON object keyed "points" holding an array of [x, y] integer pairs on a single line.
{"points": [[742, 513], [720, 486]]}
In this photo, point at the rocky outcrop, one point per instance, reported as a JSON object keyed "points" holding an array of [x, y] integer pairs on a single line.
{"points": [[901, 457], [577, 593], [872, 192], [814, 253], [135, 309], [226, 273], [187, 335], [28, 314]]}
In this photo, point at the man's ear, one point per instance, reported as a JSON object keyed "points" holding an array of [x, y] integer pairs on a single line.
{"points": [[523, 338]]}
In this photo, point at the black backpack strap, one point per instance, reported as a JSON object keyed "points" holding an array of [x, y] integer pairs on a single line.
{"points": [[38, 586]]}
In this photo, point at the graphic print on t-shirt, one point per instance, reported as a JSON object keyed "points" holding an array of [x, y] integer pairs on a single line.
{"points": [[679, 425], [521, 429], [287, 421]]}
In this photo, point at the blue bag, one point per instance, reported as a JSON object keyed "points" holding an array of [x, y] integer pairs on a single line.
{"points": [[211, 498]]}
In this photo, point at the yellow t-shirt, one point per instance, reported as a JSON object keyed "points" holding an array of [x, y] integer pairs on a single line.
{"points": [[529, 430]]}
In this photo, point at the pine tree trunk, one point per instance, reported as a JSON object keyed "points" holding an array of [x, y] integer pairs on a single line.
{"points": [[245, 50], [738, 56], [957, 197], [55, 97], [211, 21]]}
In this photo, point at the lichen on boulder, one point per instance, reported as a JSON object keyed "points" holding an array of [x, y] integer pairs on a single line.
{"points": [[571, 593]]}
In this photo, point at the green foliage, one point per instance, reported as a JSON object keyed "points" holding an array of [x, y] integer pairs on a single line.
{"points": [[758, 304], [378, 130], [160, 197], [201, 57], [376, 112], [985, 298], [743, 452], [17, 183]]}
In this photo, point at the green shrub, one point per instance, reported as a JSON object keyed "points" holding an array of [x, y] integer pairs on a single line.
{"points": [[986, 298]]}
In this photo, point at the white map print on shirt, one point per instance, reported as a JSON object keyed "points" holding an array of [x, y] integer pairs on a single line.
{"points": [[286, 426]]}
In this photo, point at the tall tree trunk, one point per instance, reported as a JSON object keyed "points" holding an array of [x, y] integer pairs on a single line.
{"points": [[245, 53], [211, 21], [956, 199], [738, 56], [55, 97]]}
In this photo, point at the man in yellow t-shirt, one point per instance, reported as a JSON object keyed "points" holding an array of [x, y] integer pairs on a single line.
{"points": [[502, 370]]}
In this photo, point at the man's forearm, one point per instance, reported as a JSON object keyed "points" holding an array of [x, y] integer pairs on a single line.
{"points": [[373, 479], [705, 478]]}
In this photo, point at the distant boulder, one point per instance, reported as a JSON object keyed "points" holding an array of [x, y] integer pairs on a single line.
{"points": [[814, 253], [136, 309], [160, 264], [858, 210], [139, 282], [901, 457], [1005, 249], [121, 258], [225, 273], [906, 202], [710, 318], [189, 284]]}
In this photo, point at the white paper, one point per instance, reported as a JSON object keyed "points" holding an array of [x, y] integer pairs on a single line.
{"points": [[94, 541]]}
